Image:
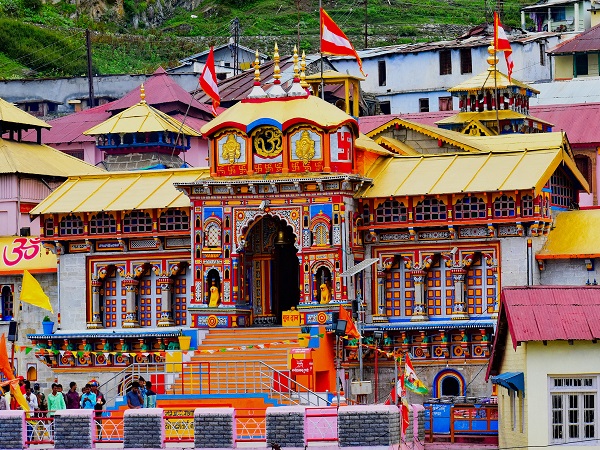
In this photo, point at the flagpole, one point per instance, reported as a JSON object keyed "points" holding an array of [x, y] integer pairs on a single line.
{"points": [[496, 99], [321, 50], [396, 378]]}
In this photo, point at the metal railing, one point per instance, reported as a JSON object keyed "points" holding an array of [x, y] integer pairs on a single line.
{"points": [[222, 377]]}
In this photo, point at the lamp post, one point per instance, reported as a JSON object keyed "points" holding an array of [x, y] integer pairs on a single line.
{"points": [[377, 335], [340, 330]]}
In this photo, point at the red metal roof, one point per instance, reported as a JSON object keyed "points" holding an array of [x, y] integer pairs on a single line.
{"points": [[586, 42], [160, 88], [548, 313]]}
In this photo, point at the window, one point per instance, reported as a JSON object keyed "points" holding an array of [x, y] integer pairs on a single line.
{"points": [[423, 105], [581, 64], [562, 190], [470, 208], [430, 209], [7, 302], [173, 220], [558, 14], [212, 234], [71, 225], [366, 215], [79, 154], [49, 227], [385, 107], [466, 63], [585, 167], [321, 234], [573, 403], [103, 223], [137, 222], [542, 54], [382, 72], [527, 206], [391, 211], [445, 104], [445, 62], [504, 206]]}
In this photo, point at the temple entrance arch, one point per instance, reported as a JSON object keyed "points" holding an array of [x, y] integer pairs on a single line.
{"points": [[271, 269]]}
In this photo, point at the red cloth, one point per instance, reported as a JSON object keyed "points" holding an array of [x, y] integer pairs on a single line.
{"points": [[208, 81], [335, 42]]}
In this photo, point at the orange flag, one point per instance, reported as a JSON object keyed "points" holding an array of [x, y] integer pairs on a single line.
{"points": [[351, 329], [15, 389]]}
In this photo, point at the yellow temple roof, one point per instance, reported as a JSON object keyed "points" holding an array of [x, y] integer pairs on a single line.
{"points": [[11, 114], [39, 159], [283, 112], [121, 191], [485, 81], [495, 170], [576, 234], [141, 118], [363, 142], [398, 146], [487, 116]]}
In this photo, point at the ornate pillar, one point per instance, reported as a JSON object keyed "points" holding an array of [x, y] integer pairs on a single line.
{"points": [[459, 311], [166, 299], [131, 315], [235, 295], [497, 302], [420, 307], [96, 317], [381, 315]]}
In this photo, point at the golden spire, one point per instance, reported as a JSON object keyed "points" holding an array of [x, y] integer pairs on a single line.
{"points": [[303, 82], [142, 94], [296, 77], [276, 69], [492, 60], [256, 69]]}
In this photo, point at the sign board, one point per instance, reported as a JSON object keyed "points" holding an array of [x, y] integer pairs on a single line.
{"points": [[302, 366], [19, 253], [290, 318], [361, 387]]}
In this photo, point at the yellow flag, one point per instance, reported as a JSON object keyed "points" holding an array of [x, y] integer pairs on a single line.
{"points": [[32, 292]]}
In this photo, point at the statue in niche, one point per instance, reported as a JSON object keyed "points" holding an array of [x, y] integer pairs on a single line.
{"points": [[325, 292], [214, 296]]}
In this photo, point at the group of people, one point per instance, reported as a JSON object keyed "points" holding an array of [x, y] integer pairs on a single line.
{"points": [[141, 395]]}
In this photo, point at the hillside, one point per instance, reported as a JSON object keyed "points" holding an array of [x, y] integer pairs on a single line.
{"points": [[45, 39]]}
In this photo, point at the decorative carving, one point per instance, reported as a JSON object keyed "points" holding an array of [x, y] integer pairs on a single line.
{"points": [[305, 147], [231, 149], [267, 142]]}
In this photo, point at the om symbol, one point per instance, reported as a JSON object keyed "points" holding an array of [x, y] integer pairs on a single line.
{"points": [[22, 249], [267, 142]]}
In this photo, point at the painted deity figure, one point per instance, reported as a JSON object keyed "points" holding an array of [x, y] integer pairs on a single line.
{"points": [[325, 294], [214, 296]]}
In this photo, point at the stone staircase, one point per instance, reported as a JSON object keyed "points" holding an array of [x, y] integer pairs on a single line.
{"points": [[250, 370]]}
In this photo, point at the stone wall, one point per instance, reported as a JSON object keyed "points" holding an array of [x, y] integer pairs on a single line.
{"points": [[74, 428], [285, 426], [12, 430], [143, 428], [368, 426], [214, 427]]}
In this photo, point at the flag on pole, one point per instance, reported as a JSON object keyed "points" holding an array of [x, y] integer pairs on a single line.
{"points": [[334, 41], [32, 292], [410, 379], [208, 81], [501, 44], [351, 329], [7, 371]]}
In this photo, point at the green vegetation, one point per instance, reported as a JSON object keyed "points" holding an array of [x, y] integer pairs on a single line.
{"points": [[46, 39]]}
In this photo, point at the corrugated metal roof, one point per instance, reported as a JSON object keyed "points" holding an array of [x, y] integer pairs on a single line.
{"points": [[575, 234], [39, 159], [9, 113], [141, 118], [121, 191], [545, 4], [588, 41], [491, 171], [548, 313]]}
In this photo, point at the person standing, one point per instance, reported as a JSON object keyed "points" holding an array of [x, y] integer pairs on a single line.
{"points": [[73, 398], [41, 397], [31, 399], [134, 397], [6, 395], [88, 398], [56, 400], [150, 399], [142, 382], [100, 402]]}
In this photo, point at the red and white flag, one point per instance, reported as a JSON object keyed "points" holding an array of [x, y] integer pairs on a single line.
{"points": [[208, 81], [501, 44], [334, 41]]}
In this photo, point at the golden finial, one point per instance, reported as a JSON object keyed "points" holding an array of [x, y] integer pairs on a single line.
{"points": [[142, 94], [276, 69], [303, 82], [296, 77], [257, 69], [492, 60]]}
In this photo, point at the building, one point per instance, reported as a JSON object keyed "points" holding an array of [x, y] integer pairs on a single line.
{"points": [[545, 364], [558, 15], [577, 57]]}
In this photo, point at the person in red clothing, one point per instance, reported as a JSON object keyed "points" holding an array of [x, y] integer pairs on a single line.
{"points": [[73, 396]]}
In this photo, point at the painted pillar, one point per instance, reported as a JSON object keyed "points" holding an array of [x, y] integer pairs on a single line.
{"points": [[96, 318], [420, 307], [459, 311], [131, 315], [381, 291], [166, 298], [235, 296]]}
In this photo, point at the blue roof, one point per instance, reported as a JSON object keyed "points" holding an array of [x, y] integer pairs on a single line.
{"points": [[511, 380]]}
